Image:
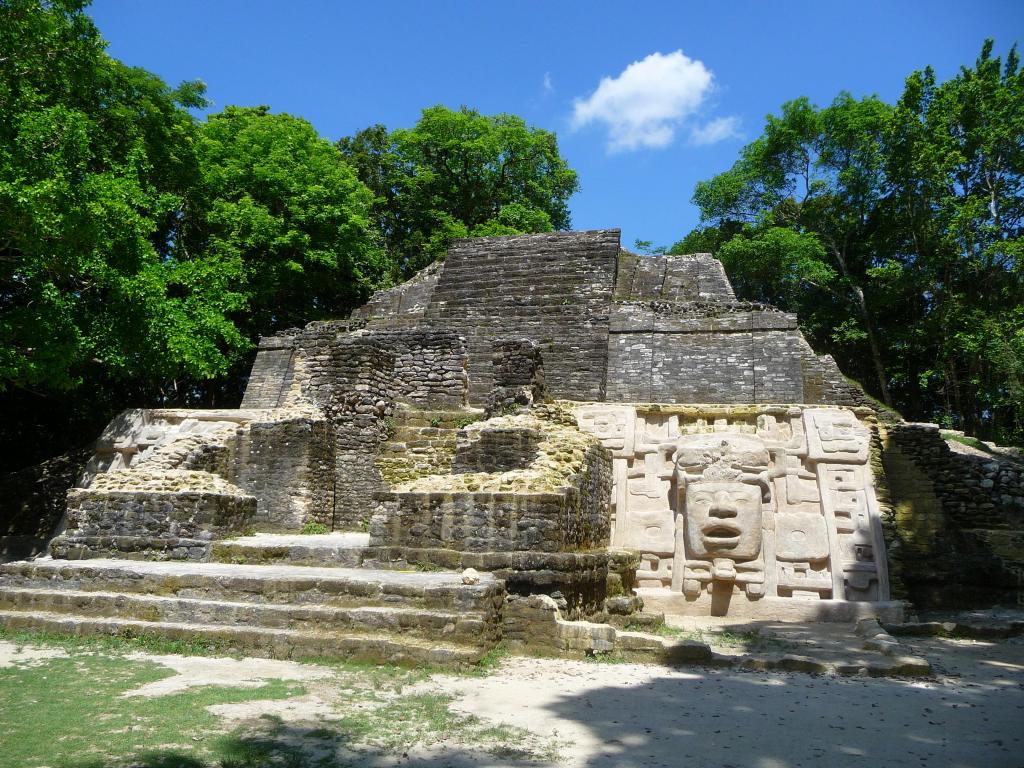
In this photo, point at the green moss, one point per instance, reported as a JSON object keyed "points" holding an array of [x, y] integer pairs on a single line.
{"points": [[972, 442]]}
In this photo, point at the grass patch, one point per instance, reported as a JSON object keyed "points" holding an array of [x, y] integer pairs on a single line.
{"points": [[69, 712], [751, 640], [972, 442], [422, 719], [312, 528], [118, 645]]}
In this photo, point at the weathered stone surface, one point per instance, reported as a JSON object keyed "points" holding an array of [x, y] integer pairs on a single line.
{"points": [[612, 325], [735, 472], [739, 504], [958, 522]]}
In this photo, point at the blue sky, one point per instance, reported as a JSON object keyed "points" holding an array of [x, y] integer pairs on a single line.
{"points": [[646, 98]]}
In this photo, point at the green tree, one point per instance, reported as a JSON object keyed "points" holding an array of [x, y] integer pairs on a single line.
{"points": [[955, 162], [95, 161], [895, 232], [458, 174], [280, 220], [142, 253], [806, 198]]}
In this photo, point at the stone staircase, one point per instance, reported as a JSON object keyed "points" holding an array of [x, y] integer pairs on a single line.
{"points": [[281, 595], [422, 443], [275, 610]]}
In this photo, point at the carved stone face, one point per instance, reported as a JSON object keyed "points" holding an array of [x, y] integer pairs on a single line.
{"points": [[723, 519]]}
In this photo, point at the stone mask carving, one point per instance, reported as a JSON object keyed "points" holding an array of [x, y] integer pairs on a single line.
{"points": [[723, 481], [723, 519]]}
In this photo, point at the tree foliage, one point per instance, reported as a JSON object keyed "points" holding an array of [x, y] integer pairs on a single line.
{"points": [[279, 220], [458, 174], [95, 161], [895, 232], [141, 251]]}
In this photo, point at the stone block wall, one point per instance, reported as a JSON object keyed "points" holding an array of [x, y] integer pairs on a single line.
{"points": [[429, 368], [282, 456], [553, 288], [518, 375], [575, 517], [154, 524], [404, 305], [355, 376], [288, 465], [495, 450], [703, 352], [671, 278], [959, 520], [273, 372], [350, 377], [612, 325]]}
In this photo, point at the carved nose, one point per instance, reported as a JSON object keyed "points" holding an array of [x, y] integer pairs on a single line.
{"points": [[722, 510]]}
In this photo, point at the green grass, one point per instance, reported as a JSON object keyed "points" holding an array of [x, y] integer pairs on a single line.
{"points": [[314, 528], [119, 644], [751, 640], [69, 712], [972, 442]]}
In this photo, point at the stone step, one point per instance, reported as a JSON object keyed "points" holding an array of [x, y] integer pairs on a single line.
{"points": [[258, 641], [431, 446], [340, 549], [290, 584], [468, 627], [442, 419]]}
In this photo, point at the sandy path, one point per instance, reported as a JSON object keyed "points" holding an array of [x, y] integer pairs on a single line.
{"points": [[642, 715]]}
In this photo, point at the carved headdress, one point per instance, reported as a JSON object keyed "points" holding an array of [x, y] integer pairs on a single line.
{"points": [[723, 456]]}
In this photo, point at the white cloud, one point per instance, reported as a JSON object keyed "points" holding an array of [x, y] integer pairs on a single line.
{"points": [[646, 103], [547, 85], [719, 129]]}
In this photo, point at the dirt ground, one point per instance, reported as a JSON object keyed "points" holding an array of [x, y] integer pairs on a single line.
{"points": [[642, 715], [582, 714]]}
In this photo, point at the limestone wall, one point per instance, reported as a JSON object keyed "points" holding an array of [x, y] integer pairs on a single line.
{"points": [[612, 325], [814, 520], [404, 305], [554, 498], [282, 456], [272, 374], [959, 519], [671, 278], [554, 289], [154, 515], [496, 449], [287, 464]]}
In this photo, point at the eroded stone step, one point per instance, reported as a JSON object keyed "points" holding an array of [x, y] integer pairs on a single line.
{"points": [[292, 584], [258, 641], [469, 627], [436, 419], [339, 549]]}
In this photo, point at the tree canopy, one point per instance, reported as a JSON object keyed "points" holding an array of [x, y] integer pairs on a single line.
{"points": [[280, 220], [458, 173], [143, 251], [895, 232], [95, 161]]}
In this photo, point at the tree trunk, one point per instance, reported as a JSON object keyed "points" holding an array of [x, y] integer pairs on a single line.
{"points": [[876, 354]]}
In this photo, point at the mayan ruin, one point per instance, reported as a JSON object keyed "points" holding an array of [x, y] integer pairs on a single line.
{"points": [[606, 435], [479, 385]]}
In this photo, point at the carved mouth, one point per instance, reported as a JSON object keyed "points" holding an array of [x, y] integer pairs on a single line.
{"points": [[721, 535]]}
